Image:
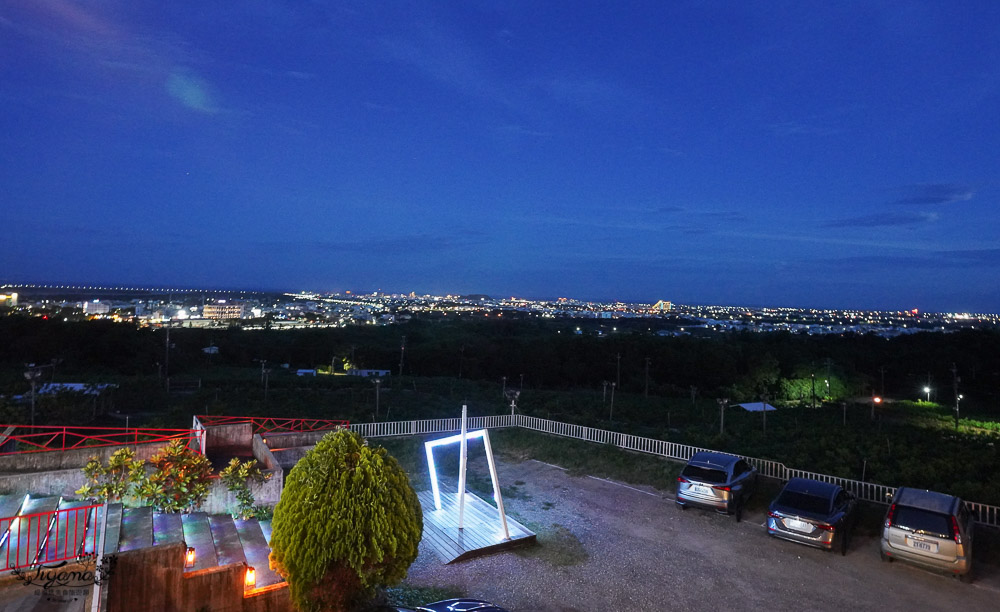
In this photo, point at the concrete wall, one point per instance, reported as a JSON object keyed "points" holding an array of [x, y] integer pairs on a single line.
{"points": [[75, 458], [295, 438], [237, 434], [267, 493], [41, 484], [153, 580]]}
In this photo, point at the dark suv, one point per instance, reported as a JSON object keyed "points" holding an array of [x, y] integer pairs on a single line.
{"points": [[716, 481], [929, 529]]}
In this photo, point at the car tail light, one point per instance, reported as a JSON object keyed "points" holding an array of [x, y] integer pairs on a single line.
{"points": [[682, 479], [722, 488], [826, 527], [954, 528], [889, 516], [773, 514]]}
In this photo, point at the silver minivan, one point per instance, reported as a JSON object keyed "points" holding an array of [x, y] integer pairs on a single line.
{"points": [[930, 529]]}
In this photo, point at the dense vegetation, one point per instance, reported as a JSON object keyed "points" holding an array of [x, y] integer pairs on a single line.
{"points": [[446, 364]]}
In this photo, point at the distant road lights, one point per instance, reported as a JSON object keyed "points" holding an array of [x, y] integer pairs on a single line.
{"points": [[927, 390]]}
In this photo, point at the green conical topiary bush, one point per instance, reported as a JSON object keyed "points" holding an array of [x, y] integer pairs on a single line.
{"points": [[348, 522]]}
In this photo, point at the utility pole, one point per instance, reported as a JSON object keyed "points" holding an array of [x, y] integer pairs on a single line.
{"points": [[882, 372], [461, 360], [723, 402], [764, 410], [267, 379], [521, 386], [647, 376], [618, 376], [377, 382], [611, 417], [402, 352], [604, 398], [166, 357], [503, 390], [954, 383], [32, 374], [813, 379]]}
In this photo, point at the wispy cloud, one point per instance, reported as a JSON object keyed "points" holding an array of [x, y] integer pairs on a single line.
{"points": [[798, 128], [935, 260], [884, 219], [935, 193], [520, 130], [192, 91]]}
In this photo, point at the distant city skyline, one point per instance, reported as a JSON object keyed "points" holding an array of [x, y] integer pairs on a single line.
{"points": [[760, 153]]}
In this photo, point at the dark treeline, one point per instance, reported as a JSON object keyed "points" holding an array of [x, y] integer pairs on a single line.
{"points": [[548, 354]]}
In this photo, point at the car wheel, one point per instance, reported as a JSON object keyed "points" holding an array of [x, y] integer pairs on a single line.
{"points": [[682, 507], [966, 578], [845, 541], [739, 510], [885, 558]]}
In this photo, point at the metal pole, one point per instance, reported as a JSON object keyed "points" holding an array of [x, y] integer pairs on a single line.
{"points": [[496, 483], [611, 417], [647, 376], [954, 384], [463, 450]]}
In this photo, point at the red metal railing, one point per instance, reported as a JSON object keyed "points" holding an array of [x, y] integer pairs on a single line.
{"points": [[266, 425], [47, 537], [40, 438]]}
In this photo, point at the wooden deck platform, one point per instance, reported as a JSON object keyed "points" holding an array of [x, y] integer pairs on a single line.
{"points": [[482, 533]]}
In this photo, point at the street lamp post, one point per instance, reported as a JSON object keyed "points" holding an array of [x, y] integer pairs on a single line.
{"points": [[377, 382], [32, 376], [611, 416], [723, 402], [927, 390]]}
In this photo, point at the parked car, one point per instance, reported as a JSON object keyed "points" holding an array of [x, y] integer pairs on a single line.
{"points": [[814, 513], [455, 605], [716, 481], [930, 529]]}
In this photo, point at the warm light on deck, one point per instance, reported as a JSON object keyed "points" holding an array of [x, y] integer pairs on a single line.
{"points": [[250, 580], [189, 557]]}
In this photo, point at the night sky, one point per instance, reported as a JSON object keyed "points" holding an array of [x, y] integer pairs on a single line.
{"points": [[755, 153]]}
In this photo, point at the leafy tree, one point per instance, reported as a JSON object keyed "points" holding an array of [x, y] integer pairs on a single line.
{"points": [[112, 483], [238, 477], [348, 522], [180, 480]]}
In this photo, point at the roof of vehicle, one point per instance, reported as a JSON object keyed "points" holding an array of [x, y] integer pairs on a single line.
{"points": [[708, 459], [812, 487], [461, 605], [926, 500]]}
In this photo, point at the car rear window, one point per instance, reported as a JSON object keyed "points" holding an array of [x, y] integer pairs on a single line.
{"points": [[701, 474], [804, 502], [915, 519]]}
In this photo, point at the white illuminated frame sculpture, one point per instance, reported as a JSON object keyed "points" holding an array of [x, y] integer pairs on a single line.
{"points": [[462, 439]]}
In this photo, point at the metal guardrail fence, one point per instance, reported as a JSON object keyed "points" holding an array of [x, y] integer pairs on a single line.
{"points": [[266, 425], [43, 438], [867, 491], [47, 537]]}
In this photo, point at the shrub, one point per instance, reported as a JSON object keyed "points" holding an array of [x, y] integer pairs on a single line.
{"points": [[112, 483], [180, 480], [238, 477], [347, 523]]}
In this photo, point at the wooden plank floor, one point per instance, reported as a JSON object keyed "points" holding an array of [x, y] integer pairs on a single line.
{"points": [[482, 533]]}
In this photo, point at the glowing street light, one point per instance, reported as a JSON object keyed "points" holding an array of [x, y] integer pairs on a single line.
{"points": [[927, 390]]}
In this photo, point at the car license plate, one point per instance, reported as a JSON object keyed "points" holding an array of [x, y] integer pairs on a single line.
{"points": [[701, 490], [798, 525], [922, 545]]}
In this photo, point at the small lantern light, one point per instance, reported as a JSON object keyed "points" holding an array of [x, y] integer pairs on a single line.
{"points": [[189, 557], [250, 580]]}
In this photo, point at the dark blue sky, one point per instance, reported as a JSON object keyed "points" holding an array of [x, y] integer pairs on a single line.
{"points": [[778, 153]]}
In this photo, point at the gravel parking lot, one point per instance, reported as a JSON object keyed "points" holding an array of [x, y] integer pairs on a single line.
{"points": [[605, 546]]}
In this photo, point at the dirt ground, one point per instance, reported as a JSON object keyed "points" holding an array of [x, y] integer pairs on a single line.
{"points": [[606, 546]]}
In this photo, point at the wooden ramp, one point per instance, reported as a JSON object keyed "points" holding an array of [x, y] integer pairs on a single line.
{"points": [[482, 534]]}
